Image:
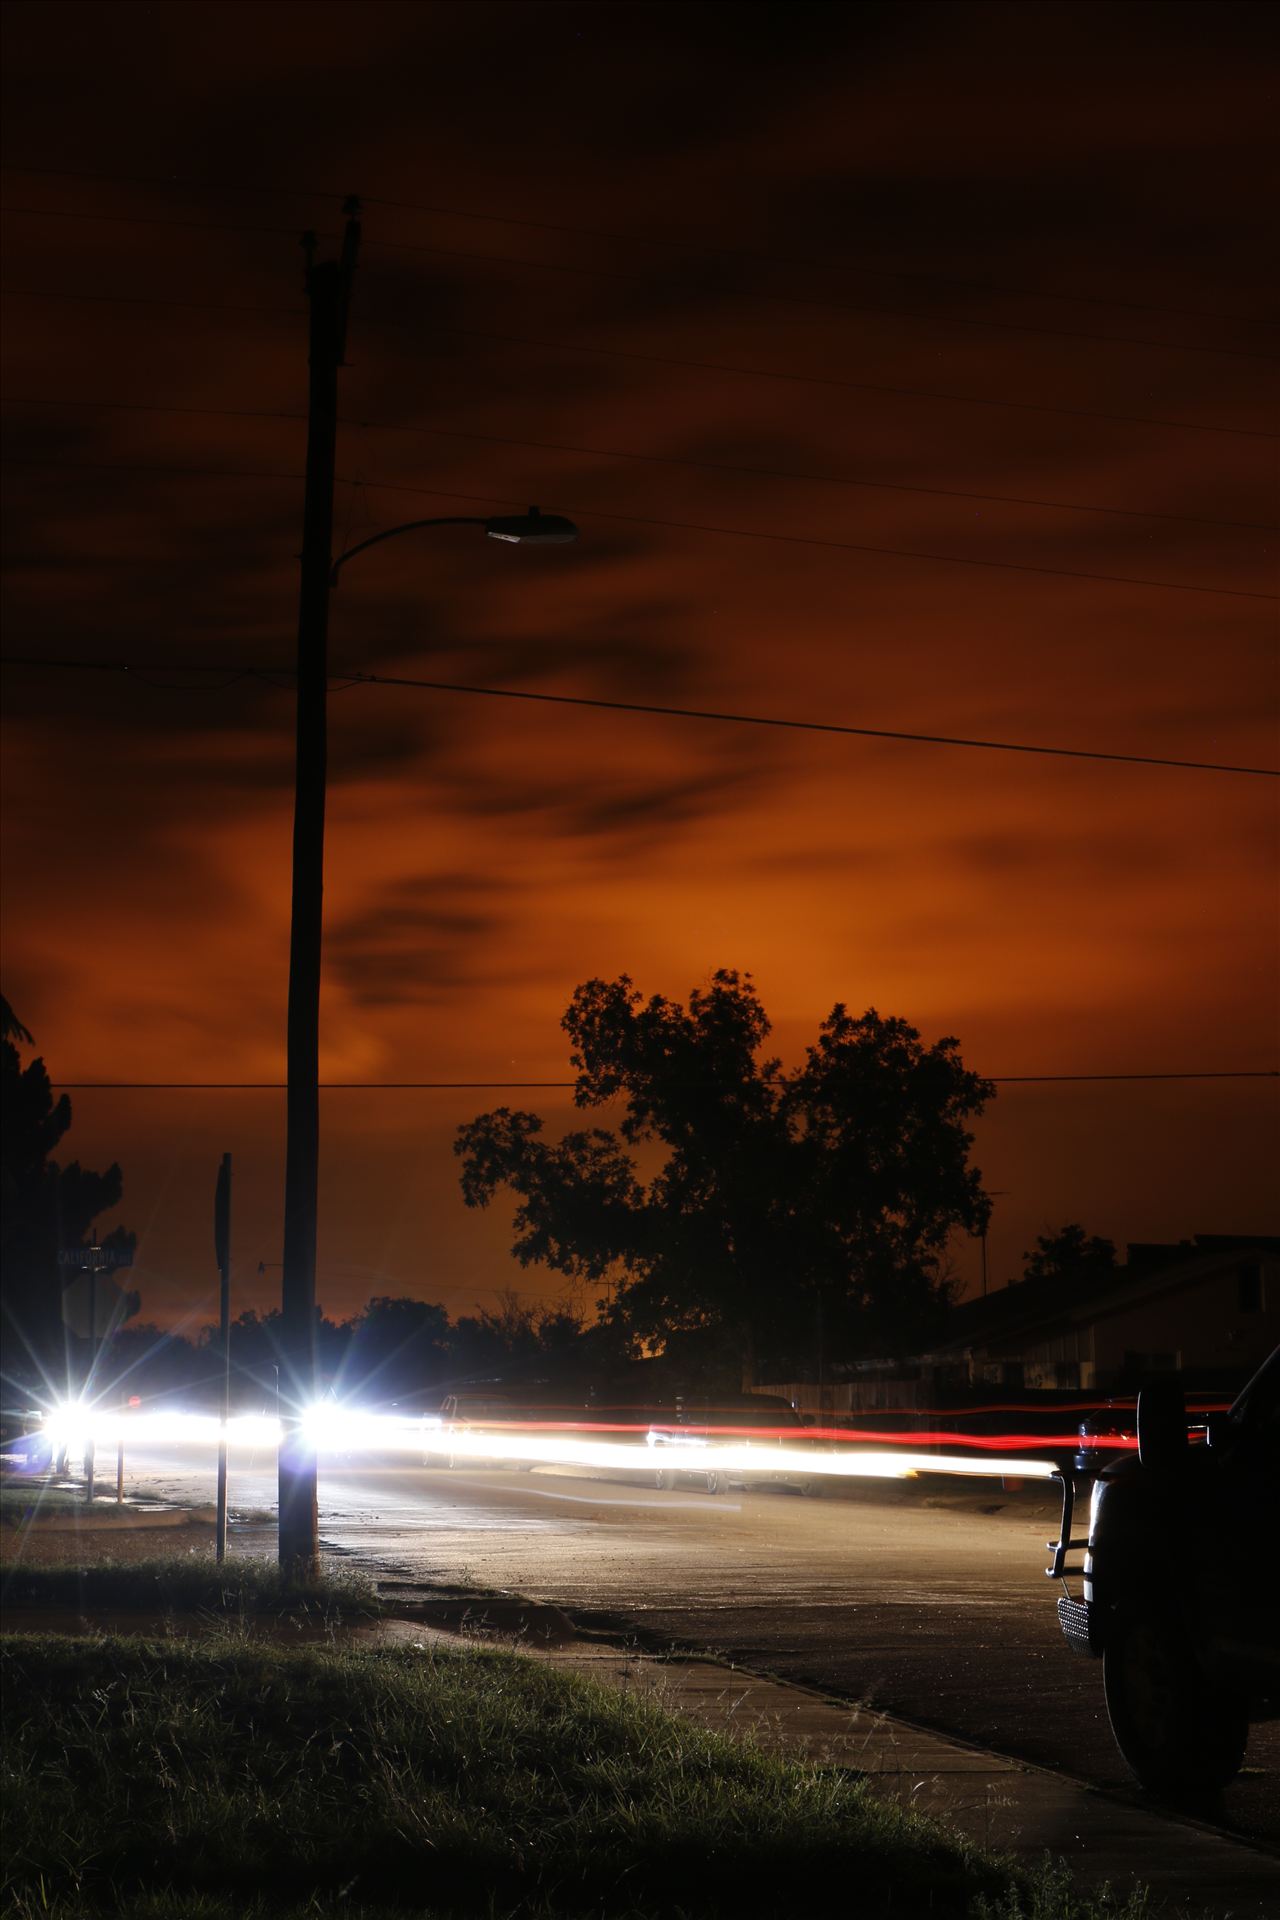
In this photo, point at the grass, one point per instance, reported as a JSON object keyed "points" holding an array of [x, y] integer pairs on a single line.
{"points": [[21, 1501], [228, 1781], [180, 1584]]}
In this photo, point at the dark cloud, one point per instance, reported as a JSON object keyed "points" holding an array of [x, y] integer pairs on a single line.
{"points": [[416, 939], [1002, 204]]}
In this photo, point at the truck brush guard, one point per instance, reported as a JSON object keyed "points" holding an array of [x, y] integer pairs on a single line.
{"points": [[1077, 1619]]}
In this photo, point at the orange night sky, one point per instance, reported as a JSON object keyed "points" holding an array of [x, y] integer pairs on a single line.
{"points": [[938, 329]]}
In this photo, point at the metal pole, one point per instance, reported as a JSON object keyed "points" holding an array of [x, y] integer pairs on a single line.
{"points": [[222, 1247], [329, 288], [88, 1379]]}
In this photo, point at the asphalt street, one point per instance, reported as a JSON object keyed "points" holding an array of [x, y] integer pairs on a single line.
{"points": [[926, 1598]]}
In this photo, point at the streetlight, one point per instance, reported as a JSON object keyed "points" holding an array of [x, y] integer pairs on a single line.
{"points": [[329, 286], [532, 529]]}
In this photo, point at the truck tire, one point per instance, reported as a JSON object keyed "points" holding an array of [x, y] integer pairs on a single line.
{"points": [[664, 1479], [1181, 1737], [716, 1482]]}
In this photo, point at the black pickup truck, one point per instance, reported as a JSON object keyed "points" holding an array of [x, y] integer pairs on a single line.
{"points": [[1181, 1587]]}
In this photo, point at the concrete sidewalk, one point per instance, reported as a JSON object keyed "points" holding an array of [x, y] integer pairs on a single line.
{"points": [[1004, 1804], [1193, 1871]]}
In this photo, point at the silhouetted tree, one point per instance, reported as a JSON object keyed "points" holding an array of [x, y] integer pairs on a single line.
{"points": [[257, 1355], [395, 1349], [260, 1369], [518, 1341], [1069, 1258], [45, 1208], [153, 1362], [790, 1209]]}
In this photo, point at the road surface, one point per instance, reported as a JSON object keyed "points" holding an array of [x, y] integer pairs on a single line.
{"points": [[925, 1598]]}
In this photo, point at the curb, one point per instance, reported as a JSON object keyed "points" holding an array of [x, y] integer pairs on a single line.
{"points": [[128, 1520]]}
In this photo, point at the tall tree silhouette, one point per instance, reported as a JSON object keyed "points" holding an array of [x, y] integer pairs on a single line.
{"points": [[45, 1208], [792, 1212]]}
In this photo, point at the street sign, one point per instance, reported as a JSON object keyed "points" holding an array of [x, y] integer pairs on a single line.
{"points": [[93, 1306], [95, 1259]]}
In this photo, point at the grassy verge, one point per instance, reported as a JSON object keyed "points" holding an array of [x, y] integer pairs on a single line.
{"points": [[202, 1782], [177, 1583], [24, 1500]]}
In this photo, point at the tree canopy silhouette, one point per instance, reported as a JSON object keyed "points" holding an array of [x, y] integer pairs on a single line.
{"points": [[786, 1210], [45, 1208], [1070, 1258]]}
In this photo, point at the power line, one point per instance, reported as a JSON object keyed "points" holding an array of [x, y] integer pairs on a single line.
{"points": [[356, 679], [683, 248], [658, 460], [819, 479], [579, 348], [905, 553], [616, 275], [529, 1086], [143, 466], [808, 726], [147, 406], [837, 306], [150, 300], [648, 520]]}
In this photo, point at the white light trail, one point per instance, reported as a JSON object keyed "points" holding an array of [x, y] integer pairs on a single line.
{"points": [[343, 1430]]}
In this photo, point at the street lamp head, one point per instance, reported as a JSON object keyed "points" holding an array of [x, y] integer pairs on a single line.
{"points": [[532, 529]]}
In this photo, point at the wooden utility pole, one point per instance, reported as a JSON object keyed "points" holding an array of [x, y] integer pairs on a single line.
{"points": [[329, 285], [222, 1249]]}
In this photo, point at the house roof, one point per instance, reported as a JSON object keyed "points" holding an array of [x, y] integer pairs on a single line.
{"points": [[1036, 1308]]}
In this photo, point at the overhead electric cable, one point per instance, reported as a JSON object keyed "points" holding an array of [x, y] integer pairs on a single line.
{"points": [[838, 306], [578, 348], [682, 247], [811, 726], [818, 479], [648, 520], [763, 297], [283, 674], [150, 300], [155, 406], [531, 1086], [654, 459]]}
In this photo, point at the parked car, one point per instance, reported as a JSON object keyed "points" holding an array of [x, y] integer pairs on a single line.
{"points": [[1181, 1587], [1105, 1435], [765, 1425]]}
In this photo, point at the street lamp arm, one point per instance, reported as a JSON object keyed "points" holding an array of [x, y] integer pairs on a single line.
{"points": [[532, 529], [389, 533]]}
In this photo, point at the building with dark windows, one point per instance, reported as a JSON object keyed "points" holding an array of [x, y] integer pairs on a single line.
{"points": [[1207, 1308]]}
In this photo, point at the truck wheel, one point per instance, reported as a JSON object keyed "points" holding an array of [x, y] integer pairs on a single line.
{"points": [[813, 1489], [716, 1482], [1181, 1738], [664, 1479]]}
